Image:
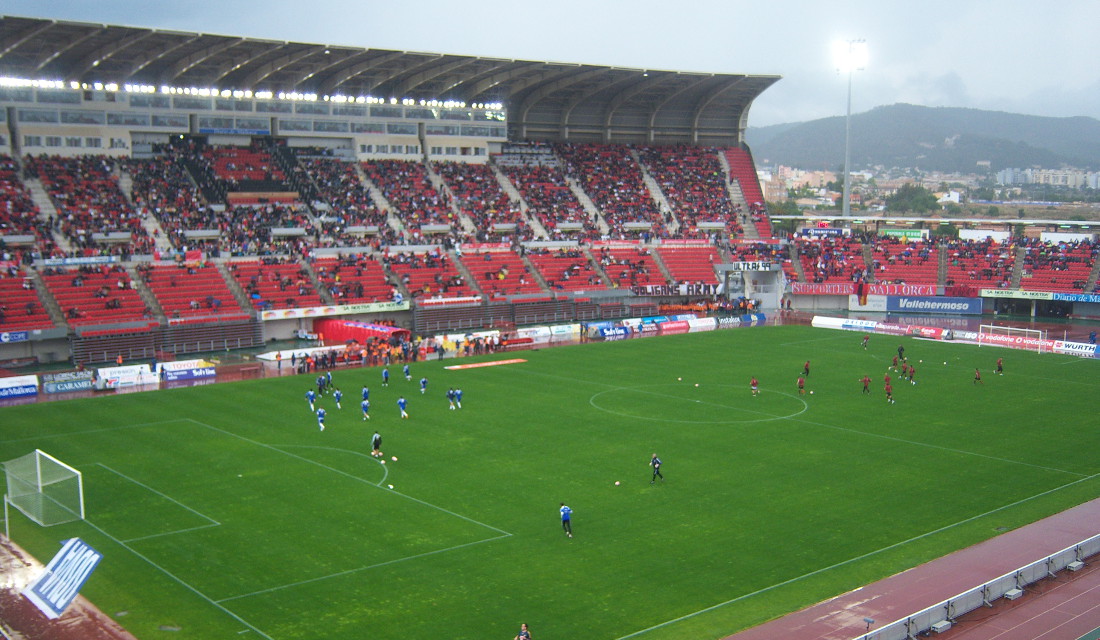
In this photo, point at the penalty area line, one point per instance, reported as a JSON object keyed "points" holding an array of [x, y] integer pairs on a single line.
{"points": [[842, 563]]}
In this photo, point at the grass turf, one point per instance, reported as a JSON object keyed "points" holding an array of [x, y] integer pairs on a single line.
{"points": [[223, 510]]}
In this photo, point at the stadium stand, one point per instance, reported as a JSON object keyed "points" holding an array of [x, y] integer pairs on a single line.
{"points": [[275, 283], [694, 184], [192, 293], [409, 190], [613, 180], [985, 263], [501, 273], [1062, 267], [160, 186], [825, 259], [566, 269], [480, 197], [743, 172], [629, 267], [351, 210], [353, 279], [428, 275], [19, 215], [99, 296], [690, 265], [550, 199], [913, 262], [85, 192], [20, 307]]}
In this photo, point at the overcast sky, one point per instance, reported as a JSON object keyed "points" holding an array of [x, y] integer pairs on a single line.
{"points": [[1007, 55]]}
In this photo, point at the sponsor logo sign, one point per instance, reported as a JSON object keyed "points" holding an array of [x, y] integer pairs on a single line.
{"points": [[1078, 297], [171, 375], [1079, 349], [1019, 295], [67, 381], [702, 324], [58, 585], [64, 262], [753, 266], [874, 303], [821, 231], [1019, 342], [674, 326], [968, 306], [18, 386], [615, 333], [14, 336], [343, 309]]}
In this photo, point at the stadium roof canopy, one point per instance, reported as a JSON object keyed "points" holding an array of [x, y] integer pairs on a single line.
{"points": [[543, 100]]}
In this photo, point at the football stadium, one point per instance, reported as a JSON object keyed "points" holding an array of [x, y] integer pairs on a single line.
{"points": [[315, 341]]}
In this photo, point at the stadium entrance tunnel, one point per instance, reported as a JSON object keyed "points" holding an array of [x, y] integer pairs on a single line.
{"points": [[687, 402]]}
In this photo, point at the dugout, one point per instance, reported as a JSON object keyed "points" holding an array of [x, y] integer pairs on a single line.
{"points": [[335, 329]]}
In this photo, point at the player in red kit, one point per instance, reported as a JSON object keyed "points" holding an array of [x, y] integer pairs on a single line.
{"points": [[801, 386], [755, 386], [866, 384], [1000, 366], [806, 368], [889, 393], [978, 377]]}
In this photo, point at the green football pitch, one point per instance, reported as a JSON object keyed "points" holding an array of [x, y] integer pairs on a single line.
{"points": [[224, 512]]}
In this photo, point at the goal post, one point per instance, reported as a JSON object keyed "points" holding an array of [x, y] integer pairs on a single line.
{"points": [[1029, 339], [44, 489]]}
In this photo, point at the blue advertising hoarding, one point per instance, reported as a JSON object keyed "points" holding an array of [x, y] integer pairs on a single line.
{"points": [[939, 304]]}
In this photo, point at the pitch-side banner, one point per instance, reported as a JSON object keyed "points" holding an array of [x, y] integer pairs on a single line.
{"points": [[849, 288], [58, 585], [18, 386], [675, 290], [335, 310]]}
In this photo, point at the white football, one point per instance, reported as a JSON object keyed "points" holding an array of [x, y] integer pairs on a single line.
{"points": [[616, 483], [680, 379], [389, 485], [811, 393], [382, 461], [697, 384], [394, 458]]}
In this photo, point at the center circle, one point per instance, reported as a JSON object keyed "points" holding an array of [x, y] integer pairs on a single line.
{"points": [[687, 403]]}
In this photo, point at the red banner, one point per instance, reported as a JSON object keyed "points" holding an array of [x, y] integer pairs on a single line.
{"points": [[849, 288]]}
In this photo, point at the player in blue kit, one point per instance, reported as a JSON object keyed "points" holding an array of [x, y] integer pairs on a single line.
{"points": [[458, 398], [337, 395], [423, 386], [320, 385], [366, 393], [401, 404], [366, 409], [310, 397], [408, 376], [566, 516], [321, 418], [451, 397], [385, 377]]}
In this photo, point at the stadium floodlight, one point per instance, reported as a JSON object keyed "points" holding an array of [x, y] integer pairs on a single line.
{"points": [[849, 55], [44, 489]]}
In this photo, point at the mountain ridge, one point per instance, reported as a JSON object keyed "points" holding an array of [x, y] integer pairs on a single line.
{"points": [[950, 139]]}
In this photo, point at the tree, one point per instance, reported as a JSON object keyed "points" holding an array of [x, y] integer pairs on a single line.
{"points": [[911, 197], [947, 230]]}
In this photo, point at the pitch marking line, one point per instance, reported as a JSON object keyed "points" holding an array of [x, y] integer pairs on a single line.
{"points": [[163, 495], [855, 559], [385, 469], [183, 584], [91, 431], [358, 569], [767, 416], [346, 475]]}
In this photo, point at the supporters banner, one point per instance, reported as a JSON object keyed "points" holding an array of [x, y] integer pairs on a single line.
{"points": [[754, 266], [68, 381], [60, 582], [67, 262], [336, 310], [18, 386], [14, 336], [685, 243], [1019, 295], [675, 290], [849, 288], [820, 232], [964, 306]]}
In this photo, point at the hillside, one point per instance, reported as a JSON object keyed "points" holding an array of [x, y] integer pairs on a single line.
{"points": [[931, 139]]}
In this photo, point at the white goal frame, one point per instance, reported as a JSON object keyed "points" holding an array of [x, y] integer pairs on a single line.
{"points": [[34, 482], [1038, 335]]}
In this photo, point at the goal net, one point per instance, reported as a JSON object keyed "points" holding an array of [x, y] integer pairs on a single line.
{"points": [[44, 489], [1029, 339]]}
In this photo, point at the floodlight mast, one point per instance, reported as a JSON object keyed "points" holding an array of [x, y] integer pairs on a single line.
{"points": [[851, 55]]}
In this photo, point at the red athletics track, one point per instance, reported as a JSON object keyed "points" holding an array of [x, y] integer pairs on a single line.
{"points": [[1065, 607]]}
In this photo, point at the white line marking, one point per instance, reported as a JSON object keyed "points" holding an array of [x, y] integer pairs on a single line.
{"points": [[346, 475], [373, 566], [166, 497], [767, 416], [89, 431], [179, 581], [385, 469], [171, 533], [855, 559]]}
